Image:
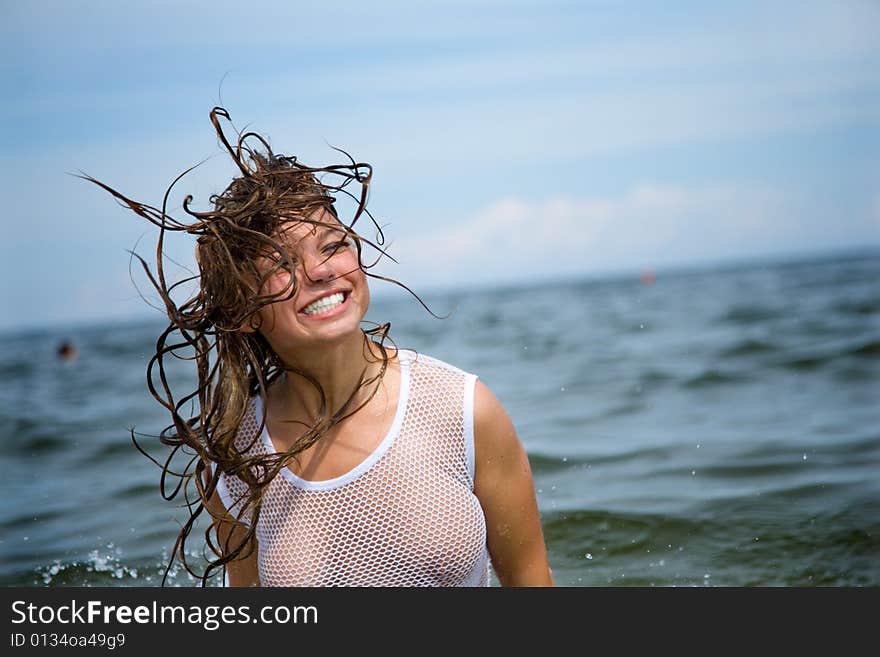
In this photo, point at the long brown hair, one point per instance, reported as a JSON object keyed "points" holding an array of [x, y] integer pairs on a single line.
{"points": [[233, 365]]}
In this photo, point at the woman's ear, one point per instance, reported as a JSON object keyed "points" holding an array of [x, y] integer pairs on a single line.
{"points": [[249, 326]]}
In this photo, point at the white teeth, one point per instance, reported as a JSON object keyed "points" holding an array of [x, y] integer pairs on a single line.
{"points": [[324, 304]]}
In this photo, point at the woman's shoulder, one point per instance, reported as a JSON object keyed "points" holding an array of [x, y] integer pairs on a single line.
{"points": [[410, 356]]}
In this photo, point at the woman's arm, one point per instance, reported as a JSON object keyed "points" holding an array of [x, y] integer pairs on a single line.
{"points": [[503, 484], [242, 571]]}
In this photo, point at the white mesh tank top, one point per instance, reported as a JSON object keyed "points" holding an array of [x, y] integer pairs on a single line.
{"points": [[406, 516]]}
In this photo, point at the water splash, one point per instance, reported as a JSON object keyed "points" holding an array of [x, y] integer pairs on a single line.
{"points": [[106, 560], [108, 566]]}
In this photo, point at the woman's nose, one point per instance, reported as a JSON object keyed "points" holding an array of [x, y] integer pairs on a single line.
{"points": [[319, 268]]}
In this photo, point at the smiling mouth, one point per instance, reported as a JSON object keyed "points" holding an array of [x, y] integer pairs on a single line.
{"points": [[324, 304]]}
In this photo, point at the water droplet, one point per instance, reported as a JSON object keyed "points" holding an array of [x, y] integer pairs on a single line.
{"points": [[693, 472], [524, 347], [805, 457], [565, 459], [698, 445], [706, 576], [588, 556], [641, 326], [562, 389]]}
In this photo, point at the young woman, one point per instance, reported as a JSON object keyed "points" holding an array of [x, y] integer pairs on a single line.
{"points": [[325, 456]]}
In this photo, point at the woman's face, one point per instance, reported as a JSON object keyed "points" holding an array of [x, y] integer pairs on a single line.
{"points": [[332, 295]]}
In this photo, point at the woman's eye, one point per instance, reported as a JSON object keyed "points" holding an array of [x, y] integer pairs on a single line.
{"points": [[332, 248]]}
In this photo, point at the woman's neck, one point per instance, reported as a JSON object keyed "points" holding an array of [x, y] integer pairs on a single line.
{"points": [[338, 369]]}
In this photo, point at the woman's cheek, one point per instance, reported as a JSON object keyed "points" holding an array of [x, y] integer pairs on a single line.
{"points": [[278, 283]]}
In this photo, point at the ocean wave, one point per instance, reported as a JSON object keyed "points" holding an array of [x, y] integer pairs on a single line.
{"points": [[139, 491], [27, 519], [712, 547], [868, 349], [30, 437], [749, 314], [654, 376], [622, 410], [858, 307], [748, 347], [543, 463], [109, 566], [714, 377], [755, 469]]}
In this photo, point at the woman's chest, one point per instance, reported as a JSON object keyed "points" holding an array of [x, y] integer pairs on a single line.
{"points": [[418, 527]]}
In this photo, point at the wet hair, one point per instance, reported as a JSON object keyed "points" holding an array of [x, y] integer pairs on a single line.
{"points": [[237, 234]]}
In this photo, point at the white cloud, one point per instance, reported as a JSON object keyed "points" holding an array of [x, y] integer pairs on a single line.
{"points": [[650, 225]]}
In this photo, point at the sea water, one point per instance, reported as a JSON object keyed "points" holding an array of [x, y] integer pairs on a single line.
{"points": [[714, 426]]}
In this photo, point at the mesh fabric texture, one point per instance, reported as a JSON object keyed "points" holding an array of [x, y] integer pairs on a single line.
{"points": [[406, 516]]}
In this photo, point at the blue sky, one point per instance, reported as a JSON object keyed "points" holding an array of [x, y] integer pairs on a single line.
{"points": [[510, 140]]}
